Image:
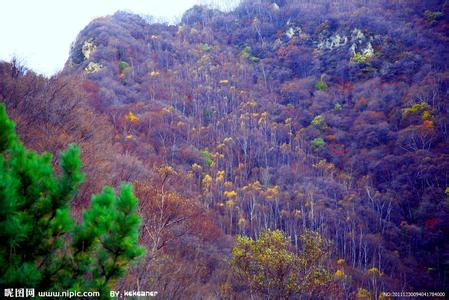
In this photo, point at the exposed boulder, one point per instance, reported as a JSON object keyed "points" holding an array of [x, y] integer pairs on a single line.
{"points": [[88, 48]]}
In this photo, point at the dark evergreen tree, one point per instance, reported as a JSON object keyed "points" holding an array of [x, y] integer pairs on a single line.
{"points": [[41, 245]]}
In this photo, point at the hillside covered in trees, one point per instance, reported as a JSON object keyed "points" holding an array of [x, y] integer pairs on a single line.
{"points": [[315, 129]]}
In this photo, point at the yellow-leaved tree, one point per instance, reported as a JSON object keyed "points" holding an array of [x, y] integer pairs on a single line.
{"points": [[271, 269]]}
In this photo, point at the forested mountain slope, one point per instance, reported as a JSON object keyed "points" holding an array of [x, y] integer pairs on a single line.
{"points": [[326, 115]]}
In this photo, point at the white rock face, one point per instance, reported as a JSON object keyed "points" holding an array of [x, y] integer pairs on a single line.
{"points": [[357, 39], [292, 31], [357, 35], [368, 51], [88, 48], [93, 67], [333, 42], [352, 50]]}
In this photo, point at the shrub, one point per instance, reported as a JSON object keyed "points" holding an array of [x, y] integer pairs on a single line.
{"points": [[318, 143], [318, 121], [360, 58], [321, 85], [207, 157], [123, 65], [433, 15]]}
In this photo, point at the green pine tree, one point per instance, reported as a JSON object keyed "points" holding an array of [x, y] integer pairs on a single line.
{"points": [[41, 245]]}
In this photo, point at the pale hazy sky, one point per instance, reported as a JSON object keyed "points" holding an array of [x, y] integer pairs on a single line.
{"points": [[39, 32]]}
